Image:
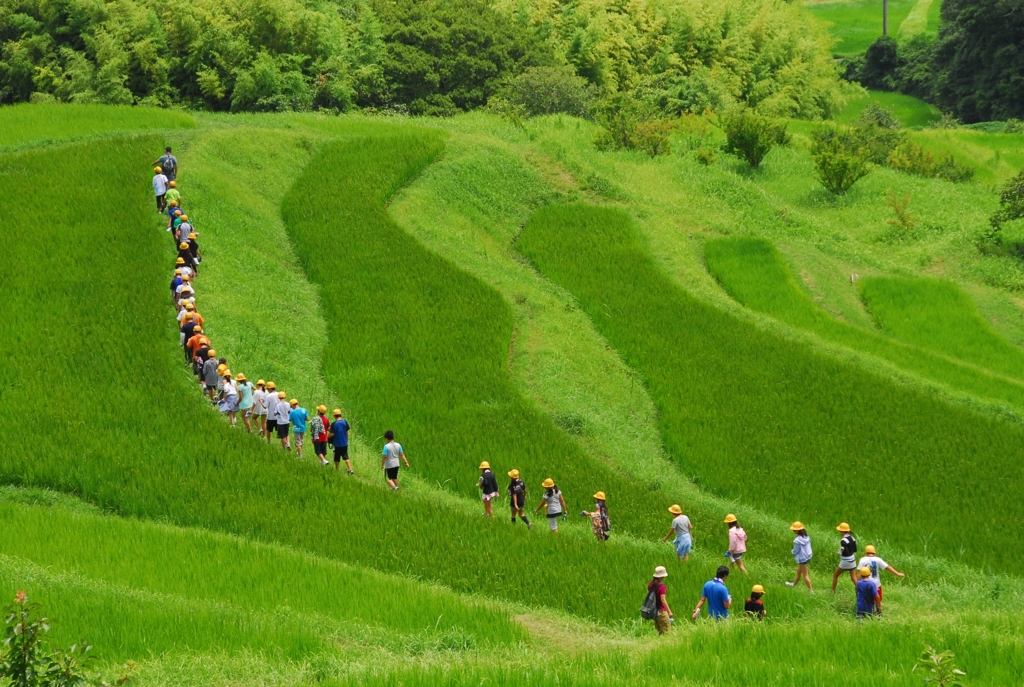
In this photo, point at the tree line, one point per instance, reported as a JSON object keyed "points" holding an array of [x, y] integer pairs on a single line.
{"points": [[973, 70], [434, 57]]}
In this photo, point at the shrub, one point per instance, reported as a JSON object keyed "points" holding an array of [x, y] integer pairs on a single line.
{"points": [[840, 158], [751, 136], [706, 156], [946, 121], [901, 219], [629, 125], [884, 117], [913, 159], [26, 662], [940, 667], [880, 62], [1011, 202], [1013, 126], [550, 90], [879, 141]]}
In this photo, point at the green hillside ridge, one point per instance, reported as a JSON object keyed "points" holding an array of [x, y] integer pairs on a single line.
{"points": [[753, 273], [457, 220]]}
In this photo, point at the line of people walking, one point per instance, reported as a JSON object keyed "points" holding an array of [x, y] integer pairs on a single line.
{"points": [[865, 573], [267, 411], [264, 409]]}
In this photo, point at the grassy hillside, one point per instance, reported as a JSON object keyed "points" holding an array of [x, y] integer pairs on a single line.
{"points": [[753, 273], [23, 125], [374, 264], [731, 395]]}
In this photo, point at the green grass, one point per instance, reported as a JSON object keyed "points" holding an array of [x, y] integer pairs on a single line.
{"points": [[911, 111], [731, 395], [937, 315], [22, 125], [994, 157], [213, 568], [753, 273], [857, 23]]}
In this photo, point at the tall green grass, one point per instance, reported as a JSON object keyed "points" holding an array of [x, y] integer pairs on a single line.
{"points": [[421, 347], [204, 566], [937, 315], [753, 272], [769, 421], [25, 124]]}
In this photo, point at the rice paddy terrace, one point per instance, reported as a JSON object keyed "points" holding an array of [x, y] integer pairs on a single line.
{"points": [[659, 329]]}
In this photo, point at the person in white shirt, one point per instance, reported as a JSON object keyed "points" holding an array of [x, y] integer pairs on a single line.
{"points": [[876, 565], [259, 406], [271, 401], [159, 188], [389, 458], [229, 397], [283, 416]]}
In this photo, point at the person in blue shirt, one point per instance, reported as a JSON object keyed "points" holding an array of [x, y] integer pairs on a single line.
{"points": [[716, 595], [298, 418], [869, 599], [339, 440]]}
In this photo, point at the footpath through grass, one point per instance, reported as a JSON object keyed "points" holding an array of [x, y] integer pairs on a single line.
{"points": [[773, 423], [753, 272]]}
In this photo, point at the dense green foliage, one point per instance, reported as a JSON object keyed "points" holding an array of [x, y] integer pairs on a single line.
{"points": [[732, 395], [241, 55], [442, 56], [427, 57], [840, 157], [978, 63], [751, 136], [936, 315]]}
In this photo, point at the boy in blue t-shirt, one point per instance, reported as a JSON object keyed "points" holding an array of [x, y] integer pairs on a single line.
{"points": [[339, 440], [298, 418], [716, 595], [869, 600]]}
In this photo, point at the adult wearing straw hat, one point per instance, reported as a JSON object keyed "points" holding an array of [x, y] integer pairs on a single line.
{"points": [[802, 553], [488, 485], [682, 530], [663, 620], [517, 497], [847, 555]]}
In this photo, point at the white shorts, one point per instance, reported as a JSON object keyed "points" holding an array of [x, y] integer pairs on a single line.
{"points": [[490, 497], [847, 563]]}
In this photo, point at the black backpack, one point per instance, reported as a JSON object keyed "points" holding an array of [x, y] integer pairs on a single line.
{"points": [[649, 609]]}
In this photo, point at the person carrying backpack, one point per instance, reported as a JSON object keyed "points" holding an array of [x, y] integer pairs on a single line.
{"points": [[599, 521], [802, 554], [318, 433], [159, 188], [517, 498], [168, 163], [655, 605], [754, 607]]}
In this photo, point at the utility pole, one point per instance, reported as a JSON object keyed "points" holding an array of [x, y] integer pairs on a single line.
{"points": [[885, 17]]}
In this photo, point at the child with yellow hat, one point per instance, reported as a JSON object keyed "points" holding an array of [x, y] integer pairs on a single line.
{"points": [[599, 517], [517, 497], [488, 485]]}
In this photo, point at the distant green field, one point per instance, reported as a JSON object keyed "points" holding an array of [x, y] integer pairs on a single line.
{"points": [[911, 111], [857, 23], [938, 316], [732, 395], [22, 124], [753, 273]]}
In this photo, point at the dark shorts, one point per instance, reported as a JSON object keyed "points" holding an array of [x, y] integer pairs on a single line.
{"points": [[341, 453], [392, 473], [282, 430], [271, 425], [320, 448]]}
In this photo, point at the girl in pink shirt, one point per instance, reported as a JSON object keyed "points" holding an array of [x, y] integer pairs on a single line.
{"points": [[737, 543]]}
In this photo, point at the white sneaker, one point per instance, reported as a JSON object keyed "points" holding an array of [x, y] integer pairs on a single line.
{"points": [[790, 584]]}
